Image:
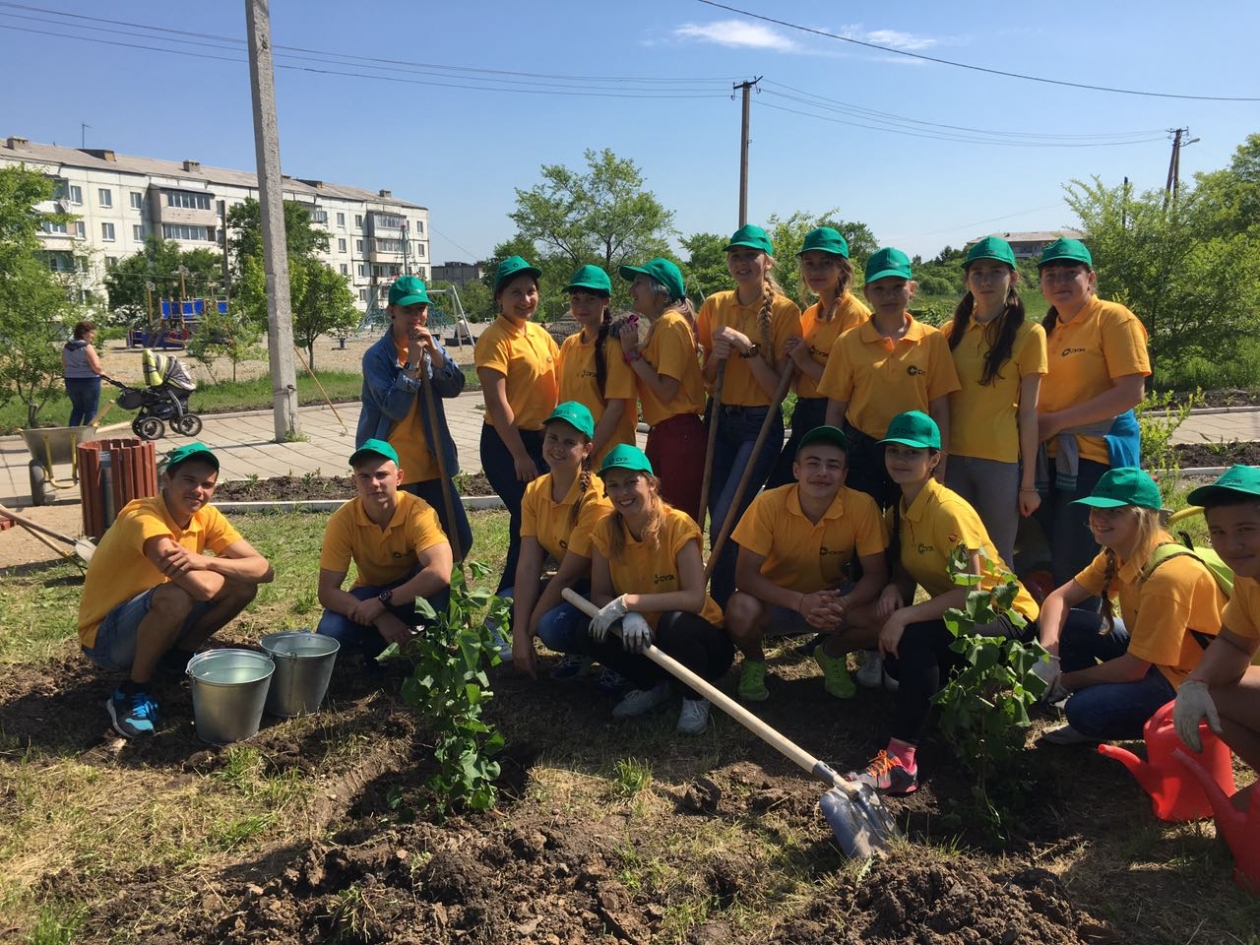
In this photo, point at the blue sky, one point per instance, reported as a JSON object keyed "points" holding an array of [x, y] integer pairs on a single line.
{"points": [[652, 81]]}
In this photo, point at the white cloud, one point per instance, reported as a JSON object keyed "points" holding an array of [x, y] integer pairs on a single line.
{"points": [[737, 34], [893, 39]]}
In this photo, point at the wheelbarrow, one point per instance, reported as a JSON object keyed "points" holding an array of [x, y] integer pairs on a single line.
{"points": [[57, 446]]}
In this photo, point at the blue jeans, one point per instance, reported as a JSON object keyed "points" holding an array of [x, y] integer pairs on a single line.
{"points": [[500, 469], [1109, 710], [738, 428], [867, 471], [85, 398], [1066, 526], [366, 639], [431, 491], [563, 628]]}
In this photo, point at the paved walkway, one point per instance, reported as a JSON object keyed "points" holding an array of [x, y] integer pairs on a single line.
{"points": [[244, 443]]}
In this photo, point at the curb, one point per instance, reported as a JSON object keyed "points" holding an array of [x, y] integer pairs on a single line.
{"points": [[473, 503]]}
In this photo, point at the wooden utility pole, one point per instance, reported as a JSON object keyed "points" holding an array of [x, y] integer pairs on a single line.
{"points": [[1181, 139], [747, 88], [271, 194]]}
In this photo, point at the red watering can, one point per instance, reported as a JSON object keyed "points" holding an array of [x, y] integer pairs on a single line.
{"points": [[1240, 830], [1175, 796]]}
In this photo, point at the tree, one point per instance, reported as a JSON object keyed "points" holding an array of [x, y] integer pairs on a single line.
{"points": [[232, 336], [301, 237], [705, 271], [788, 236], [322, 303], [159, 264]]}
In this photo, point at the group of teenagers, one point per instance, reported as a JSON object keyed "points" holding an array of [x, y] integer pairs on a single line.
{"points": [[907, 444]]}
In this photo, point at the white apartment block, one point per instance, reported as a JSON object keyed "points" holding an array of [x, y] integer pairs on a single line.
{"points": [[118, 200]]}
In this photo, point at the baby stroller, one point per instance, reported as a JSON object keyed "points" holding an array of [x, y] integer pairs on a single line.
{"points": [[164, 398]]}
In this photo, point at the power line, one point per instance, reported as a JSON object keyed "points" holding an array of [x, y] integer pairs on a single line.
{"points": [[973, 68]]}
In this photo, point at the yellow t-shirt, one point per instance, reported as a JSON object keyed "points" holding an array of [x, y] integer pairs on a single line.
{"points": [[407, 437], [526, 357], [578, 381], [1181, 594], [938, 521], [1104, 341], [120, 570], [821, 336], [983, 418], [1242, 613], [552, 522], [671, 350], [739, 386], [641, 569], [880, 378], [800, 555], [380, 557]]}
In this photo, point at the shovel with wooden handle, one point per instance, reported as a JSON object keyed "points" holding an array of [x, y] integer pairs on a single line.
{"points": [[82, 547], [862, 824], [715, 410]]}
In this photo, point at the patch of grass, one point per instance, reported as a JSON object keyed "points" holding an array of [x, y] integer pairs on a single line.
{"points": [[231, 833], [631, 776], [58, 924]]}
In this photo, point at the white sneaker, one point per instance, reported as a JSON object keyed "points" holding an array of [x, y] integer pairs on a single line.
{"points": [[694, 717], [890, 684], [1066, 735], [638, 701], [870, 674]]}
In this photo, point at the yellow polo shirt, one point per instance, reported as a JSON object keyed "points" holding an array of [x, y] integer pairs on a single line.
{"points": [[938, 521], [800, 555], [552, 522], [739, 386], [983, 418], [578, 381], [641, 569], [1181, 594], [821, 336], [120, 570], [1104, 341], [526, 357], [407, 437], [671, 350], [1242, 613], [380, 557], [880, 378]]}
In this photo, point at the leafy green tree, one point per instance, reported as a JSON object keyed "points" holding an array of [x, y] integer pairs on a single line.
{"points": [[705, 270], [232, 336], [301, 237], [322, 303], [159, 264], [788, 236]]}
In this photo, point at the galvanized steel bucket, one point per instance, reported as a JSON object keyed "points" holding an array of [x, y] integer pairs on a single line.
{"points": [[304, 665], [229, 689]]}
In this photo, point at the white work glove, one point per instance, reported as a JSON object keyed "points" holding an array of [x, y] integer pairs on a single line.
{"points": [[1049, 671], [636, 635], [609, 614], [1194, 704]]}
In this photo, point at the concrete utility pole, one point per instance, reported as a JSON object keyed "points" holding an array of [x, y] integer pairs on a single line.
{"points": [[747, 88], [271, 192]]}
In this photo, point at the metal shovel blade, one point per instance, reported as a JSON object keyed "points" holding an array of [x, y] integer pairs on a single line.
{"points": [[862, 824]]}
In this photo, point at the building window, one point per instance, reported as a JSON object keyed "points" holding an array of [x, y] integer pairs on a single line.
{"points": [[48, 226], [387, 246], [345, 270], [137, 232], [187, 201], [419, 226], [388, 221], [106, 197], [137, 200], [318, 215], [107, 232], [363, 295], [358, 246], [341, 219], [362, 269], [76, 194], [419, 249], [180, 231], [80, 229], [111, 262], [341, 246], [358, 220], [386, 270]]}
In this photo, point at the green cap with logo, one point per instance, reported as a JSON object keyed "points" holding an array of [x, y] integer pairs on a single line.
{"points": [[752, 237], [182, 454], [575, 415], [991, 247], [914, 428], [824, 434], [590, 279], [888, 263], [825, 239], [660, 269], [1064, 250], [374, 448], [622, 456], [408, 290], [1126, 485], [1237, 484], [510, 268]]}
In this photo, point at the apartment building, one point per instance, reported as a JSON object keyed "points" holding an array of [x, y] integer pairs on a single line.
{"points": [[1030, 244], [119, 200]]}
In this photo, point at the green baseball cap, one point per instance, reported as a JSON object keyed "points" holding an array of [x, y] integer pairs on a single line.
{"points": [[824, 434], [914, 428], [991, 247], [754, 237], [1237, 484], [888, 263], [575, 415], [1066, 250], [408, 290], [663, 271], [622, 456], [1126, 485], [377, 448], [182, 454], [825, 239], [513, 266], [590, 279]]}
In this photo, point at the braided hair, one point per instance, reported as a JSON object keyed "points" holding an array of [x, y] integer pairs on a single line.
{"points": [[770, 287], [826, 314], [584, 485], [1005, 326], [601, 361]]}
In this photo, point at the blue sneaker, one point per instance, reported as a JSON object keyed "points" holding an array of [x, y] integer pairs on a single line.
{"points": [[134, 715], [610, 683], [572, 666]]}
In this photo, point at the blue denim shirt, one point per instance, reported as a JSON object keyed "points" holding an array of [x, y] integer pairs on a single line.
{"points": [[388, 393]]}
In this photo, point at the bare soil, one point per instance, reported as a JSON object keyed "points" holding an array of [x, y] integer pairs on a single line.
{"points": [[302, 488], [1207, 455]]}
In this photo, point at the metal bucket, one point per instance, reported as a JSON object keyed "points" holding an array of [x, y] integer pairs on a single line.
{"points": [[229, 688], [304, 665]]}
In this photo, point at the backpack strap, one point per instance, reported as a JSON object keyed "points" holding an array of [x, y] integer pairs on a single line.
{"points": [[1166, 552]]}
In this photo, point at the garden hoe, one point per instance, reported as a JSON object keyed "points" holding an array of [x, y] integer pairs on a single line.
{"points": [[862, 824], [82, 547]]}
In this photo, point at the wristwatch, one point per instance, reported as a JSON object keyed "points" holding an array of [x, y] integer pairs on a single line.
{"points": [[386, 596], [752, 352], [633, 355]]}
